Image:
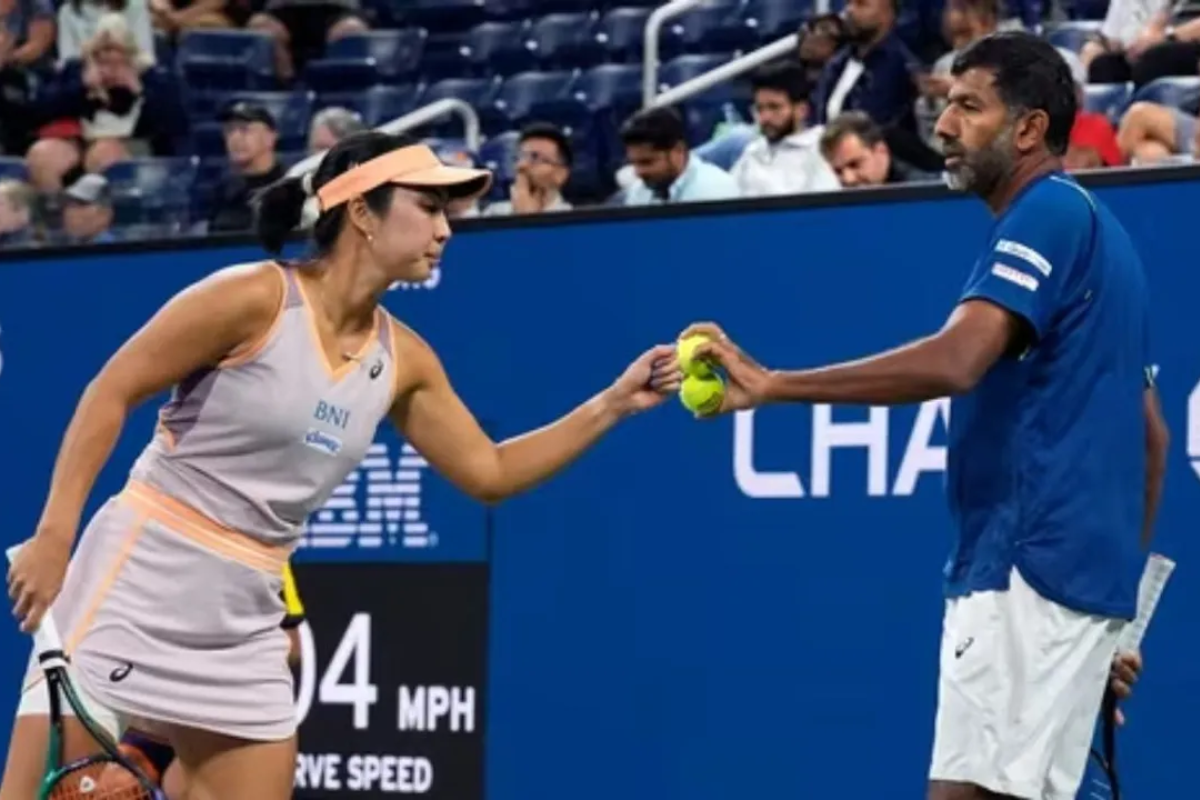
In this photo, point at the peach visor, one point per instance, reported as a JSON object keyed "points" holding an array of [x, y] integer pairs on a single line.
{"points": [[415, 166]]}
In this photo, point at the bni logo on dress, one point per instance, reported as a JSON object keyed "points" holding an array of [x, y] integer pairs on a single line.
{"points": [[377, 505]]}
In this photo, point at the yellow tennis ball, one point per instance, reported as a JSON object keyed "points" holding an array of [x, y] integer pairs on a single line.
{"points": [[685, 350], [702, 395]]}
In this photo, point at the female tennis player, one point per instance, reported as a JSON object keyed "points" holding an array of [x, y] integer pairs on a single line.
{"points": [[170, 605]]}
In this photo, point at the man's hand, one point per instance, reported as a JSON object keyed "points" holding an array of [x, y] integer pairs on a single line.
{"points": [[1126, 667], [746, 382]]}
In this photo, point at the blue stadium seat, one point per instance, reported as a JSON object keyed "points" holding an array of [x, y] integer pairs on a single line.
{"points": [[443, 56], [705, 111], [377, 105], [292, 111], [13, 168], [499, 154], [1169, 91], [480, 93], [227, 60], [724, 150], [441, 15], [153, 191], [714, 25], [622, 33], [543, 96], [498, 48], [1086, 9], [1110, 99], [566, 40], [363, 61], [1071, 35], [164, 49], [771, 19], [610, 86]]}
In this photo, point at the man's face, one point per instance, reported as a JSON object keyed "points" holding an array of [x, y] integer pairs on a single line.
{"points": [[858, 164], [866, 19], [84, 221], [658, 169], [12, 217], [976, 133], [248, 142], [540, 162], [778, 116]]}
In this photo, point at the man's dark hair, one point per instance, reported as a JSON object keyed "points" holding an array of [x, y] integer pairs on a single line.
{"points": [[850, 123], [786, 77], [551, 133], [1030, 75], [659, 128]]}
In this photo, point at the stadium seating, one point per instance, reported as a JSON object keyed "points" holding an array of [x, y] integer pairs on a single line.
{"points": [[359, 62], [1071, 35], [226, 60], [1176, 92], [1110, 99], [13, 168]]}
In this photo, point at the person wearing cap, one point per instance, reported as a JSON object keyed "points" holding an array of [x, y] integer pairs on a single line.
{"points": [[250, 138], [281, 372], [87, 210]]}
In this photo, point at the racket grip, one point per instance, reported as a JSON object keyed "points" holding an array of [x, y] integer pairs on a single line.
{"points": [[46, 638]]}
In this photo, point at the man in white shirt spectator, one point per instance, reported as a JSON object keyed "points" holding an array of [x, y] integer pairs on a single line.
{"points": [[544, 158], [786, 158], [656, 147], [856, 148]]}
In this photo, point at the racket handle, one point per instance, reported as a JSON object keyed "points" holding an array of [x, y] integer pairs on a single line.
{"points": [[46, 638]]}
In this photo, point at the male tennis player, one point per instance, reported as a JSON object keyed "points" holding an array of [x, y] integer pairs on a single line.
{"points": [[1056, 444]]}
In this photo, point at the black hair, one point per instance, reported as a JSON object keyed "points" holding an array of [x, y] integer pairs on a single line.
{"points": [[280, 206], [850, 123], [1030, 75], [551, 133], [787, 77], [660, 128]]}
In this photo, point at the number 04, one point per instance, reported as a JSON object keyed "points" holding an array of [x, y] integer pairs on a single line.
{"points": [[358, 692]]}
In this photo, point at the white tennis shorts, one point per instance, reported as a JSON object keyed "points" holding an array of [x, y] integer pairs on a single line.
{"points": [[35, 700], [1021, 684]]}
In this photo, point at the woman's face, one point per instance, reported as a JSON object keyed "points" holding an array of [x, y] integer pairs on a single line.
{"points": [[409, 238]]}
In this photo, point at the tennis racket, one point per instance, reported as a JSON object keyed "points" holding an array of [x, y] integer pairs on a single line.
{"points": [[1106, 785], [105, 775]]}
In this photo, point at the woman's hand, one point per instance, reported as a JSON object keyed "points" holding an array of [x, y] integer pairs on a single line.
{"points": [[650, 379], [36, 576]]}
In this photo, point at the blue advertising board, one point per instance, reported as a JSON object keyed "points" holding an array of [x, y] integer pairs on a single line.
{"points": [[747, 607]]}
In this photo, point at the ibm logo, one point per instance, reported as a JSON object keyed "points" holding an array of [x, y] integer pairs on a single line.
{"points": [[378, 505]]}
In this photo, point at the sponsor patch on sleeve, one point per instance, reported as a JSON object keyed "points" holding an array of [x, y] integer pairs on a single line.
{"points": [[1015, 276]]}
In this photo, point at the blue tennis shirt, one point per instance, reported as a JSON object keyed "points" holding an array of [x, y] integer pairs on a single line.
{"points": [[1046, 465]]}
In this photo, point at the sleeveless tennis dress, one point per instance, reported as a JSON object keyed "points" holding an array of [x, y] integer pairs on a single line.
{"points": [[171, 608]]}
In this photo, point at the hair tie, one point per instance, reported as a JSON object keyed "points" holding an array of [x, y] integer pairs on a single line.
{"points": [[306, 183]]}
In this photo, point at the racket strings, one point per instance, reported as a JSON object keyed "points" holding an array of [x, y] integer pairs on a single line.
{"points": [[102, 780]]}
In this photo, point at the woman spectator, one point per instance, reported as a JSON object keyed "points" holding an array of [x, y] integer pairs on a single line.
{"points": [[110, 105], [79, 22], [26, 38]]}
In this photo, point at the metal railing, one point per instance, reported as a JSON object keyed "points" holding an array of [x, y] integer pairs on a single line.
{"points": [[659, 17], [732, 69], [415, 119]]}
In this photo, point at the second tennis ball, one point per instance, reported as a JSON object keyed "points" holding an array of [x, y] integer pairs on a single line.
{"points": [[685, 349], [702, 395]]}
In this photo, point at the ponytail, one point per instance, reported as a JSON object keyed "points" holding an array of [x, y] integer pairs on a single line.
{"points": [[278, 209]]}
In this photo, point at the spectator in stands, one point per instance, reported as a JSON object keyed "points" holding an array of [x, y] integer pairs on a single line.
{"points": [[1151, 133], [656, 146], [173, 17], [451, 153], [302, 28], [105, 108], [963, 22], [1138, 42], [16, 215], [855, 147], [820, 38], [330, 126], [26, 40], [544, 159], [873, 72], [250, 137], [87, 209], [1093, 141], [79, 23], [786, 157]]}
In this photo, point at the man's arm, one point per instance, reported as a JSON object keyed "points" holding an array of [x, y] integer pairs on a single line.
{"points": [[1157, 439], [952, 361]]}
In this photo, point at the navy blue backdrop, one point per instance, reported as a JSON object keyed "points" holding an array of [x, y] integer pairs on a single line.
{"points": [[743, 608]]}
